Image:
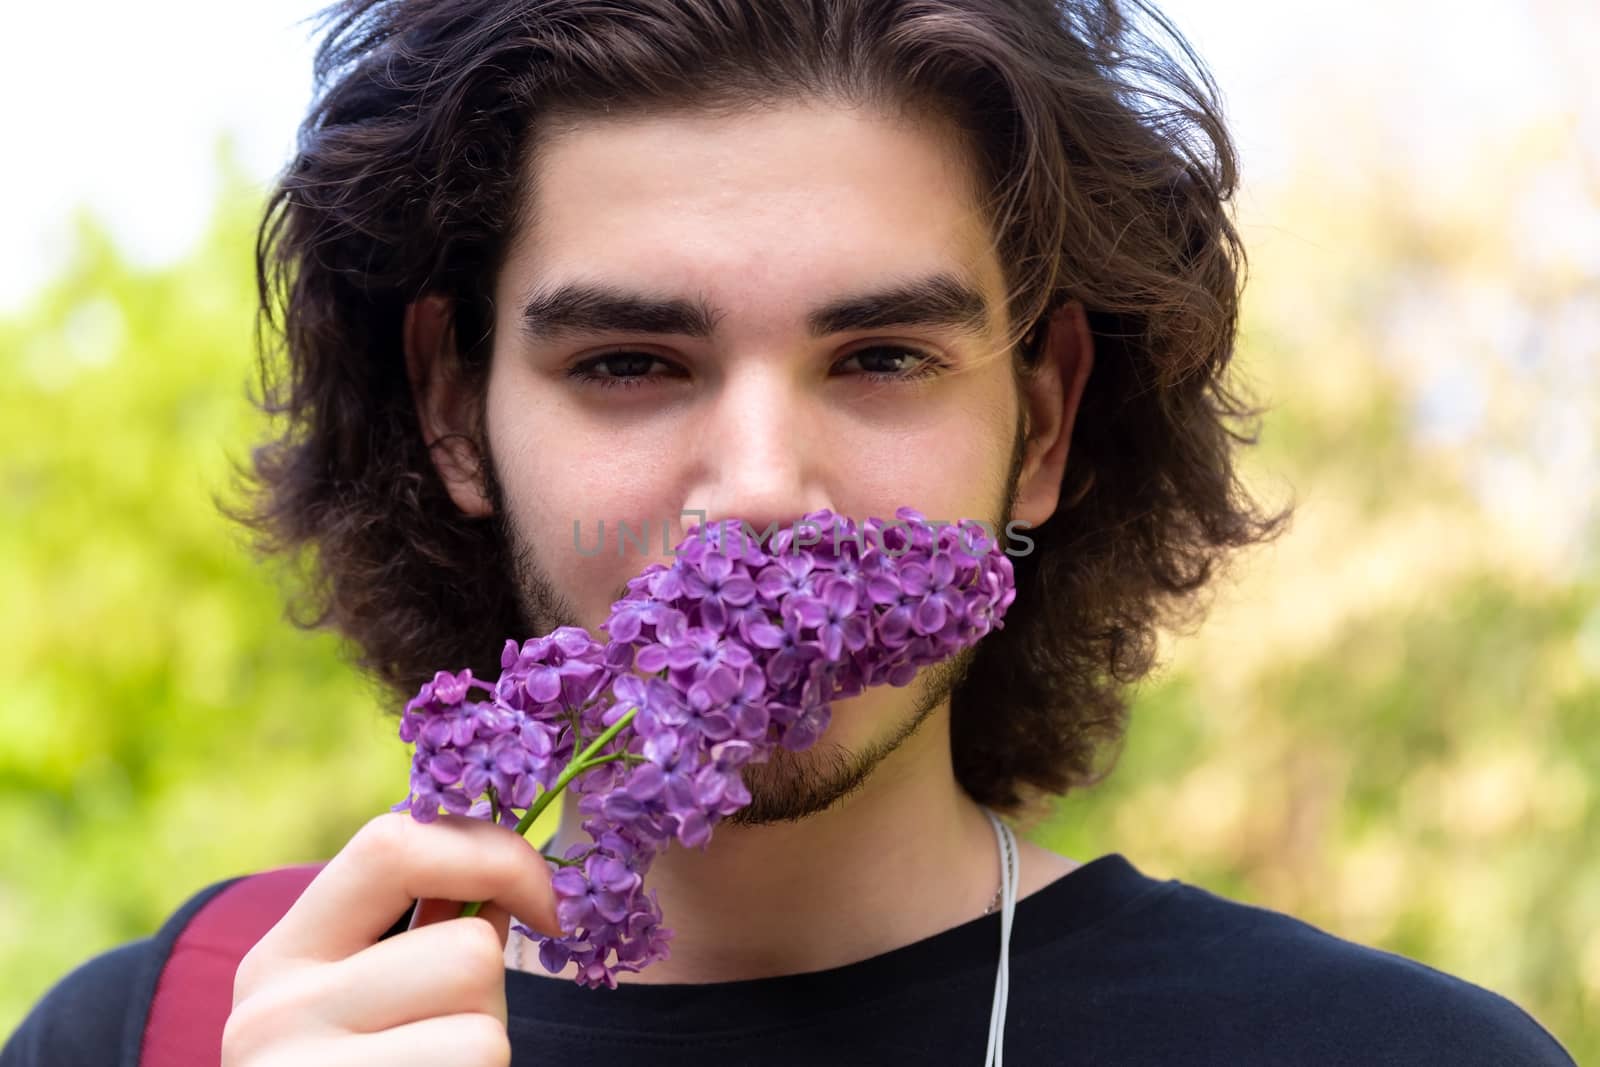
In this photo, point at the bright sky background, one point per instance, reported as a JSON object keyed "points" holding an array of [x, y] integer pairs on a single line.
{"points": [[117, 106]]}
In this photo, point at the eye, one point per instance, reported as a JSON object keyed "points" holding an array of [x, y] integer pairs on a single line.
{"points": [[624, 370], [903, 364], [881, 364]]}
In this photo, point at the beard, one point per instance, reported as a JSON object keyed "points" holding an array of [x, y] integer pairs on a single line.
{"points": [[788, 786]]}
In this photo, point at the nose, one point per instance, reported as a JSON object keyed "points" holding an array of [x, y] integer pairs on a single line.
{"points": [[760, 455]]}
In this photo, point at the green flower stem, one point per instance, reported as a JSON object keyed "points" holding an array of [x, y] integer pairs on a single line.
{"points": [[630, 757], [559, 862], [585, 760]]}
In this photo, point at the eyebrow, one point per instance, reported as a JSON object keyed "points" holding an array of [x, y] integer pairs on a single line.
{"points": [[942, 300]]}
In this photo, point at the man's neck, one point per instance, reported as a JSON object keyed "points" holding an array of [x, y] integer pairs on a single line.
{"points": [[906, 856]]}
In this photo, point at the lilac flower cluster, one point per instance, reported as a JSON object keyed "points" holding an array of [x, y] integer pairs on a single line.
{"points": [[713, 661]]}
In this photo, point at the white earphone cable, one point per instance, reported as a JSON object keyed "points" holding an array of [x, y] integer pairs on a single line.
{"points": [[1002, 983]]}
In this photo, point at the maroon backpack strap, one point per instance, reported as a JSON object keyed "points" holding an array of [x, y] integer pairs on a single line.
{"points": [[194, 993]]}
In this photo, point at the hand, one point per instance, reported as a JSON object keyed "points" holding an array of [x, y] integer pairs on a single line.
{"points": [[321, 990]]}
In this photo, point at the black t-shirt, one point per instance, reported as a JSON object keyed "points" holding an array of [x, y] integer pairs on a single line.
{"points": [[1108, 966]]}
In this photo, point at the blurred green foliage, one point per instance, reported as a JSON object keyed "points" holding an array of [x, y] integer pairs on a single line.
{"points": [[1388, 727], [1389, 724], [163, 727]]}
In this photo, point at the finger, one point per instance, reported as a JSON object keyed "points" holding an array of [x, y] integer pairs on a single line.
{"points": [[394, 861], [468, 1040], [448, 968]]}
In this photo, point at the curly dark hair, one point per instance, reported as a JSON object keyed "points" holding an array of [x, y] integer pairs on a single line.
{"points": [[1107, 171]]}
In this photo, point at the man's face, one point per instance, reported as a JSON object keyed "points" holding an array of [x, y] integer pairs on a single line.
{"points": [[761, 221]]}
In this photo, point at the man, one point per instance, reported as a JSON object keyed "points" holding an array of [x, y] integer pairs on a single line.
{"points": [[542, 265]]}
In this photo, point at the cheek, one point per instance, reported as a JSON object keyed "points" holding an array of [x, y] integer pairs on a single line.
{"points": [[952, 468], [591, 540], [561, 488]]}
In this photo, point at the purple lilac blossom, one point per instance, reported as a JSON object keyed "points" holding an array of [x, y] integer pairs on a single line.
{"points": [[730, 652]]}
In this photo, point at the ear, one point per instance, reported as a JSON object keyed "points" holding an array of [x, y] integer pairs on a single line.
{"points": [[1051, 395], [445, 405]]}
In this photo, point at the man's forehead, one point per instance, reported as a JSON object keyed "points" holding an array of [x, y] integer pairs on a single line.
{"points": [[761, 216], [855, 177]]}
